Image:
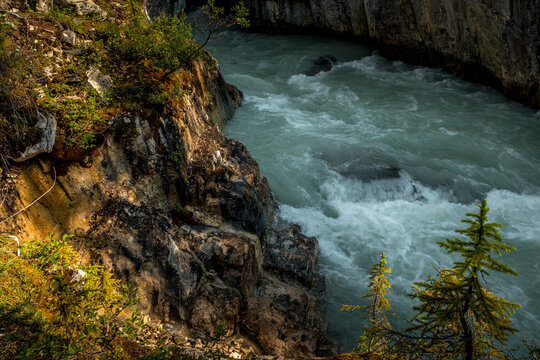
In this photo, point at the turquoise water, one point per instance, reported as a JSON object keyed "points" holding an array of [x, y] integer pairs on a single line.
{"points": [[376, 156]]}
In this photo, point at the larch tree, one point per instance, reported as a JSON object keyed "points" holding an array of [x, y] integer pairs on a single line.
{"points": [[457, 316], [379, 286]]}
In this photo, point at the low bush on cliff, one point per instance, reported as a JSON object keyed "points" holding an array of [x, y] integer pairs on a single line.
{"points": [[146, 56], [54, 307], [152, 56]]}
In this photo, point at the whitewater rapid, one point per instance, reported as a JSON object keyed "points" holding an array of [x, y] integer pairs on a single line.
{"points": [[376, 156]]}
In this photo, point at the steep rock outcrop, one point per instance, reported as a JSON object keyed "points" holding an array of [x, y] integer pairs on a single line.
{"points": [[491, 41], [279, 314], [182, 213], [154, 8]]}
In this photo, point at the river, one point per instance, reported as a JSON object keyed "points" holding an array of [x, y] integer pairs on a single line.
{"points": [[377, 156]]}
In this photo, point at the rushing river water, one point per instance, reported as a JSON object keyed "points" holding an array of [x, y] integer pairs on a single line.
{"points": [[376, 156]]}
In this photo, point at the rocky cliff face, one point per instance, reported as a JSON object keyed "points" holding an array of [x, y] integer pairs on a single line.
{"points": [[183, 214], [491, 41]]}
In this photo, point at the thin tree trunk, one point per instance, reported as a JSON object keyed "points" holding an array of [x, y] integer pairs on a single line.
{"points": [[467, 331], [467, 339]]}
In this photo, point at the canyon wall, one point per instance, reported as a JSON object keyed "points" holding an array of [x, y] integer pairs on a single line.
{"points": [[182, 213], [495, 42]]}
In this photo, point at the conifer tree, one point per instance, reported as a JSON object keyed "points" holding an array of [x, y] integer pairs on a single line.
{"points": [[457, 314], [379, 286]]}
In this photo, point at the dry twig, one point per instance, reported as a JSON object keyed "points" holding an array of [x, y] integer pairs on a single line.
{"points": [[33, 202]]}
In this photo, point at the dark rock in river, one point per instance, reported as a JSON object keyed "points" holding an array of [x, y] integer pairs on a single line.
{"points": [[363, 163], [369, 172], [321, 64]]}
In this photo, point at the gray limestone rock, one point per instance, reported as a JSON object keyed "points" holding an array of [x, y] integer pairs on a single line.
{"points": [[154, 8], [44, 5], [285, 320], [46, 125], [101, 83], [291, 254], [69, 37], [83, 7]]}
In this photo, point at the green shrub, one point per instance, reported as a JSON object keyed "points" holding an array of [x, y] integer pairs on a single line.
{"points": [[149, 58], [55, 308], [165, 42]]}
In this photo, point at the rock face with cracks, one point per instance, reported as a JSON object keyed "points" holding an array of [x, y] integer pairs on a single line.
{"points": [[182, 213]]}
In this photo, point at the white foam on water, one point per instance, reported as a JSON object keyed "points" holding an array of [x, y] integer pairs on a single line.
{"points": [[272, 103], [376, 156], [260, 83], [407, 231], [367, 64], [308, 83], [448, 132]]}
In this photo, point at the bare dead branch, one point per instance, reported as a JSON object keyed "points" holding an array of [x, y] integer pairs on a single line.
{"points": [[20, 18], [33, 202]]}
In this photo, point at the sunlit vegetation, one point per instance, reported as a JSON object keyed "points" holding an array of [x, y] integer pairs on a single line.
{"points": [[54, 306], [378, 288], [149, 63]]}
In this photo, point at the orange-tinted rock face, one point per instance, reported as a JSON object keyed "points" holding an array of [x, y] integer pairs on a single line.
{"points": [[178, 211]]}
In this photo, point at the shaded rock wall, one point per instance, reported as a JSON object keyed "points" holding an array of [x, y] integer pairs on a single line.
{"points": [[182, 213], [491, 41]]}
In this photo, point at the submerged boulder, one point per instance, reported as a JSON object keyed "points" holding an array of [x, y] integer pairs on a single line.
{"points": [[321, 64]]}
